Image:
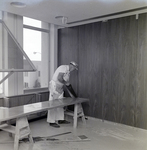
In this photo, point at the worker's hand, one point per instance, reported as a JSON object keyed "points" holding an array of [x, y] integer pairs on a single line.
{"points": [[55, 95], [67, 83], [66, 76]]}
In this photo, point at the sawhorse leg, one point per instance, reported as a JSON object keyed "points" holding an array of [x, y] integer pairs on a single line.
{"points": [[81, 113], [78, 112], [22, 130], [75, 115]]}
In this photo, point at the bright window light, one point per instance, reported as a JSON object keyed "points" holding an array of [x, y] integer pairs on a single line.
{"points": [[32, 44], [31, 22]]}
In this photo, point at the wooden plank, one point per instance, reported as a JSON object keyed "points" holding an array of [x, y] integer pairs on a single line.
{"points": [[19, 111]]}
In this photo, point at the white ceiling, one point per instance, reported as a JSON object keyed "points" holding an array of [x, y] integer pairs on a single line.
{"points": [[77, 11]]}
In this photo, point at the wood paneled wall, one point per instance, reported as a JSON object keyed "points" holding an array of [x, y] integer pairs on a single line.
{"points": [[112, 58], [70, 51]]}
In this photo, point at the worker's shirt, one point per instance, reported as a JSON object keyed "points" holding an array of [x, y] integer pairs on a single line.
{"points": [[66, 75]]}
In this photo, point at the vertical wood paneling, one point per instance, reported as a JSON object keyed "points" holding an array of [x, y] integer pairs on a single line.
{"points": [[141, 103], [112, 59], [86, 86], [124, 70], [105, 71], [68, 51], [84, 62]]}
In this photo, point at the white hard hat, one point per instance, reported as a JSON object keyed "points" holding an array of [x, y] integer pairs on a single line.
{"points": [[74, 64]]}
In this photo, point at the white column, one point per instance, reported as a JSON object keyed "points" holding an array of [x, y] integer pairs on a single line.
{"points": [[0, 14], [14, 84], [44, 56], [53, 55], [1, 86]]}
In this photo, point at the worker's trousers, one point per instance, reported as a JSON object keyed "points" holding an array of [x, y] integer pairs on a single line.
{"points": [[58, 113]]}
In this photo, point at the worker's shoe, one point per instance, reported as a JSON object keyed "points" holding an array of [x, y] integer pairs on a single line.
{"points": [[55, 125], [63, 122]]}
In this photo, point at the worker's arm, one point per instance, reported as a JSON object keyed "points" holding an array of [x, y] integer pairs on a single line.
{"points": [[63, 78]]}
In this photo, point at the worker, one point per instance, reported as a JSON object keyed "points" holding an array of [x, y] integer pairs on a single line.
{"points": [[60, 78]]}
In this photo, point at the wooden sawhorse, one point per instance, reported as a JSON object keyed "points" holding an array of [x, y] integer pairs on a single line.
{"points": [[78, 112], [20, 113], [20, 131]]}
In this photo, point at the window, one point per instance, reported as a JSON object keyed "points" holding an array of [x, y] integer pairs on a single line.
{"points": [[26, 85], [38, 73], [35, 42], [26, 74], [13, 59]]}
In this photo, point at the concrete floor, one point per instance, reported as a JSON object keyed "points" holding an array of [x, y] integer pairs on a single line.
{"points": [[101, 136]]}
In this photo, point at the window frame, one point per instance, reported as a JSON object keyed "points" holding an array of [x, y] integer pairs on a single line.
{"points": [[43, 30]]}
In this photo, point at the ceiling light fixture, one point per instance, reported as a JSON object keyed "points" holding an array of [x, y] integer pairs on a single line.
{"points": [[63, 19], [18, 4]]}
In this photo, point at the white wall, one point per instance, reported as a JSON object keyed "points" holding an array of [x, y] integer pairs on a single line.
{"points": [[1, 86], [0, 14], [45, 57], [53, 49]]}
